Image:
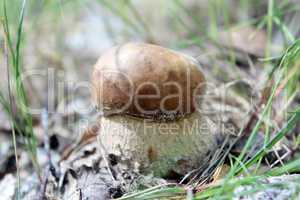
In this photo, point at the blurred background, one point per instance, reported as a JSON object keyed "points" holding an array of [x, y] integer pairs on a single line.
{"points": [[66, 37]]}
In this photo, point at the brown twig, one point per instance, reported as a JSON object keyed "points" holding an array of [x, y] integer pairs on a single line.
{"points": [[264, 98]]}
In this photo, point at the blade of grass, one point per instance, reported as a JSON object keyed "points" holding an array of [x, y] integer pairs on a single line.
{"points": [[111, 6], [289, 125], [23, 120], [289, 54], [290, 167], [140, 20], [7, 31], [14, 139], [161, 191], [231, 184], [284, 29], [284, 64], [269, 26], [21, 94]]}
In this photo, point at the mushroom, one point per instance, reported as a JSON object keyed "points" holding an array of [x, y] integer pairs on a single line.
{"points": [[149, 98]]}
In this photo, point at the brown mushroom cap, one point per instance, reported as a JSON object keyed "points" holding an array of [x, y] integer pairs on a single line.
{"points": [[146, 81]]}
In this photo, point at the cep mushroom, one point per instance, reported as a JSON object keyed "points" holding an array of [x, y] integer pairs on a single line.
{"points": [[151, 111]]}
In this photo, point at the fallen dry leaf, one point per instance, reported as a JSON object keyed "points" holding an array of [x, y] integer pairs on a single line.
{"points": [[91, 184]]}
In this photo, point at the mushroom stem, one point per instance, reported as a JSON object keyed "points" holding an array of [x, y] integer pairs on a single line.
{"points": [[159, 147]]}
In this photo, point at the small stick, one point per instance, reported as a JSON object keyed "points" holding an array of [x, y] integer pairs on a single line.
{"points": [[47, 149], [105, 156]]}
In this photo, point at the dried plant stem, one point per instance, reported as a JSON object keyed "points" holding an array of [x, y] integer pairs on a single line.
{"points": [[47, 149], [105, 156]]}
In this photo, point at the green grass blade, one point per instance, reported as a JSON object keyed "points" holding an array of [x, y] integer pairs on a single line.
{"points": [[289, 125]]}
